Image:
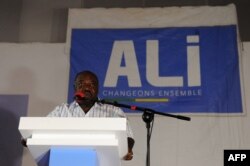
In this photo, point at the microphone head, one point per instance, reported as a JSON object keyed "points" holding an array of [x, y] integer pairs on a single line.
{"points": [[79, 95], [81, 98]]}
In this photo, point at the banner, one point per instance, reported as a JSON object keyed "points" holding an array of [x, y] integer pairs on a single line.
{"points": [[12, 107], [169, 69], [172, 59]]}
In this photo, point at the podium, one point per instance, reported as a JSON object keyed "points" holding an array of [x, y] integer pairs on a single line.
{"points": [[57, 139]]}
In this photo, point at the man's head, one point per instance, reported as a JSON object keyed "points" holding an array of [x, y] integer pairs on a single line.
{"points": [[87, 83]]}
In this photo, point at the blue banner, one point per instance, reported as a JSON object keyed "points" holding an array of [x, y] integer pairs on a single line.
{"points": [[173, 70]]}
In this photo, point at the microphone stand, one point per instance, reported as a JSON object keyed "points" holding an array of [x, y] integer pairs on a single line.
{"points": [[148, 117]]}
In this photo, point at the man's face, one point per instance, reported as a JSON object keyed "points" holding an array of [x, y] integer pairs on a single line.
{"points": [[88, 85]]}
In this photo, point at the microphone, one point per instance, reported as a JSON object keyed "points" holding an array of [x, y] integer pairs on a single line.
{"points": [[79, 96]]}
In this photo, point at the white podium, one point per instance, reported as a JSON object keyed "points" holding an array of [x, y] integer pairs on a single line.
{"points": [[106, 136]]}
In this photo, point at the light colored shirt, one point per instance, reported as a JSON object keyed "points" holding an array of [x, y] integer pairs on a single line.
{"points": [[97, 110]]}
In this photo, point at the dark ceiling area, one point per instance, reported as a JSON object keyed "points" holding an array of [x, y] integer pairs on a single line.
{"points": [[18, 22]]}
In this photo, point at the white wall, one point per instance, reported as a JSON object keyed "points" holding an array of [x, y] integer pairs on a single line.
{"points": [[41, 70]]}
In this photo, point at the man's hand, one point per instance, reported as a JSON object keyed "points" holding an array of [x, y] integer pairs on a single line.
{"points": [[128, 156], [24, 142]]}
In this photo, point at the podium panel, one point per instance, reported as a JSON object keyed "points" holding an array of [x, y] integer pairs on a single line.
{"points": [[62, 156], [107, 136]]}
